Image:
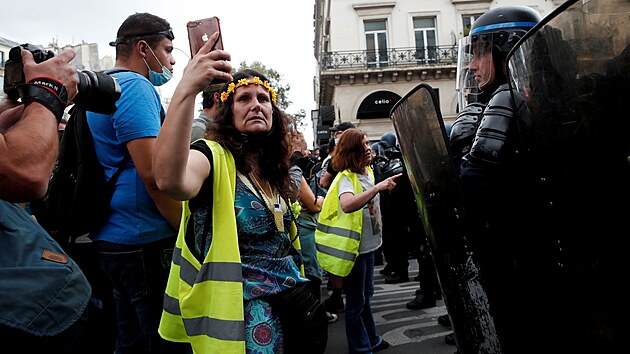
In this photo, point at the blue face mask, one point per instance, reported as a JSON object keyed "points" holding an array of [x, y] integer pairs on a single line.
{"points": [[158, 79]]}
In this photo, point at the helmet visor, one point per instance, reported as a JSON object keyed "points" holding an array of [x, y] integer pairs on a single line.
{"points": [[379, 153], [475, 67]]}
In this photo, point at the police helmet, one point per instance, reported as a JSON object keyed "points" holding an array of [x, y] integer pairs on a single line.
{"points": [[494, 33], [504, 26], [388, 141]]}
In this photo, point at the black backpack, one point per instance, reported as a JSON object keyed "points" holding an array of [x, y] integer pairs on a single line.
{"points": [[77, 201]]}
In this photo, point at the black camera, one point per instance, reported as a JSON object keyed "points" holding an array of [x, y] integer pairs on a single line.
{"points": [[97, 92]]}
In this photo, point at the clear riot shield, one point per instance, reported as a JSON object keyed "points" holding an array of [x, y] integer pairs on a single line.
{"points": [[574, 72], [425, 149]]}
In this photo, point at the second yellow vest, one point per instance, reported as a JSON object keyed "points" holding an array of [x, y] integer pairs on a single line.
{"points": [[338, 234]]}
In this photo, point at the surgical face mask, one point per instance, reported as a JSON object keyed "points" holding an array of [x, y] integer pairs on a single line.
{"points": [[158, 79], [336, 141]]}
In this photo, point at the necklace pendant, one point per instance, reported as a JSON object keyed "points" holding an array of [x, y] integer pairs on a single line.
{"points": [[277, 205], [277, 215]]}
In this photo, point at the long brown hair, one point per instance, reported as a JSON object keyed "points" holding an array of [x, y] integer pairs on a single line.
{"points": [[349, 151]]}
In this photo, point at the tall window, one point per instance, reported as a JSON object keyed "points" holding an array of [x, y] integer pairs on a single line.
{"points": [[376, 41], [426, 40], [468, 21]]}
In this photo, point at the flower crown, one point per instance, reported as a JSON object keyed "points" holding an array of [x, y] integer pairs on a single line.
{"points": [[244, 82]]}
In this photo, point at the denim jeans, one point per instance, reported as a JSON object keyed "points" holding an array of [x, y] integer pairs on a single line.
{"points": [[359, 288], [307, 225], [138, 274]]}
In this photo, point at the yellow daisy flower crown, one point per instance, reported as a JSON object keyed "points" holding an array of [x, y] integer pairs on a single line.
{"points": [[244, 82]]}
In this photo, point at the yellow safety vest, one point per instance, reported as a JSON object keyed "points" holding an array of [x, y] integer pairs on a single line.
{"points": [[203, 304], [338, 234]]}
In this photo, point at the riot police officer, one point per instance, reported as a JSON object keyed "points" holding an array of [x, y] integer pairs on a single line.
{"points": [[497, 187], [530, 258], [395, 235]]}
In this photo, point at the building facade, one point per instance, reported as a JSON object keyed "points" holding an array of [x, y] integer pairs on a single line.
{"points": [[370, 53], [5, 47]]}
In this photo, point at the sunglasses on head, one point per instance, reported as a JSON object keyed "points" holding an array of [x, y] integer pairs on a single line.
{"points": [[122, 39]]}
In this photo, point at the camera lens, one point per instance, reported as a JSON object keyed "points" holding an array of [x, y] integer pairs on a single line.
{"points": [[97, 92]]}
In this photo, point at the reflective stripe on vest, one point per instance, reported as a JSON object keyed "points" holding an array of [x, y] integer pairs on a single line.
{"points": [[189, 313], [338, 234]]}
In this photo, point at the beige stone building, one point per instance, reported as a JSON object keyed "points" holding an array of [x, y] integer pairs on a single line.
{"points": [[370, 53], [5, 47]]}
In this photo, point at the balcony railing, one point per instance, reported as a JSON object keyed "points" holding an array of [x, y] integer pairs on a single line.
{"points": [[392, 57]]}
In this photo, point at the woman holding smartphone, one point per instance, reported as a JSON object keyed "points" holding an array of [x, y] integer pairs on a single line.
{"points": [[236, 283]]}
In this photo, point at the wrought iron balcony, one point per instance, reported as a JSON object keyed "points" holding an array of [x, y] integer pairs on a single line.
{"points": [[391, 57]]}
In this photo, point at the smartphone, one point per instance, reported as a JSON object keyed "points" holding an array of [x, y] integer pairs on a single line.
{"points": [[199, 32]]}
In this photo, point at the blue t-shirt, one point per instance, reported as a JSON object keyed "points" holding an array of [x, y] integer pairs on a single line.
{"points": [[135, 219]]}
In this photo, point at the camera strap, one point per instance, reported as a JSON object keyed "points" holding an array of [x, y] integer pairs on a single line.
{"points": [[45, 96], [51, 84]]}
